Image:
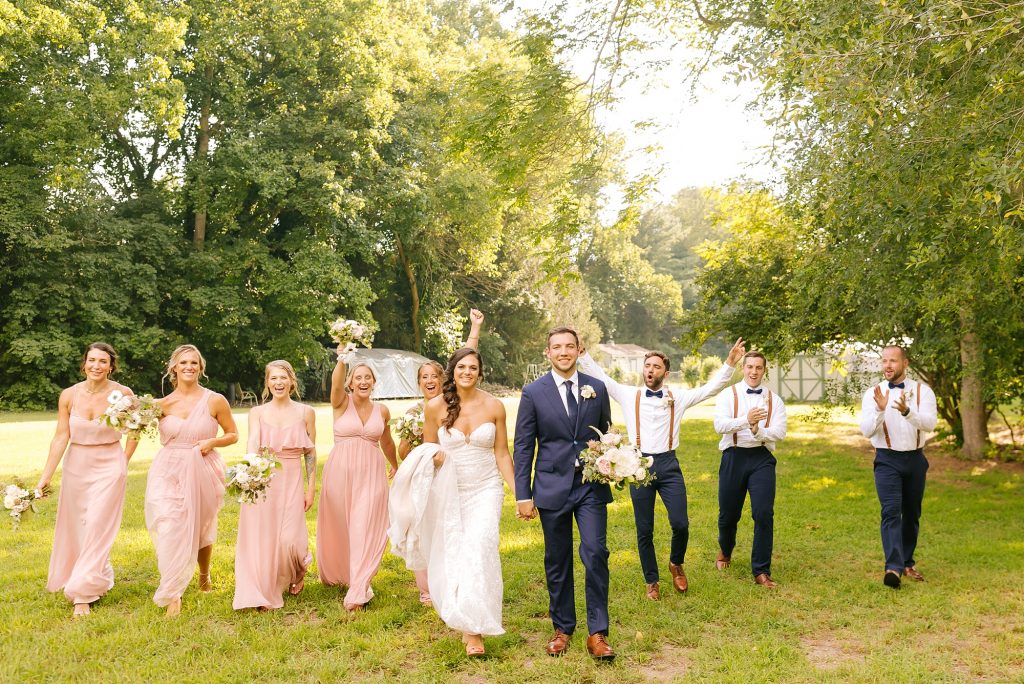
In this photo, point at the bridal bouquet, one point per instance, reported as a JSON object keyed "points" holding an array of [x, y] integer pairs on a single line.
{"points": [[351, 334], [131, 415], [17, 500], [250, 478], [410, 426], [613, 460]]}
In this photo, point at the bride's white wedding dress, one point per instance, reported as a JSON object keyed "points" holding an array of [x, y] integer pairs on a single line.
{"points": [[465, 576]]}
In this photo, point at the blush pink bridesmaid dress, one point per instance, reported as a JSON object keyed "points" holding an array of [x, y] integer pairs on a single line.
{"points": [[184, 492], [352, 521], [89, 511], [272, 552]]}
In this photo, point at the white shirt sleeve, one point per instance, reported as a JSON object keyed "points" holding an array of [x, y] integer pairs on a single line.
{"points": [[718, 382], [616, 390], [870, 417], [925, 418], [777, 430], [725, 424]]}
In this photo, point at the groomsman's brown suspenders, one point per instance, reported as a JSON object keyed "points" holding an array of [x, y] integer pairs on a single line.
{"points": [[671, 418], [885, 428], [736, 410]]}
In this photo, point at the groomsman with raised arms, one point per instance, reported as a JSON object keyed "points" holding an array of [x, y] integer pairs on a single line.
{"points": [[653, 414], [752, 420], [896, 415]]}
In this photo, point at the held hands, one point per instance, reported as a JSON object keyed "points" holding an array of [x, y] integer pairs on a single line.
{"points": [[525, 510], [881, 400], [736, 353]]}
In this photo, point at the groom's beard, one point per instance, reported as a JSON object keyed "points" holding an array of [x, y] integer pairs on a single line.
{"points": [[654, 383]]}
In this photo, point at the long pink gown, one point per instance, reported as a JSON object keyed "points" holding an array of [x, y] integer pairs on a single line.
{"points": [[88, 511], [352, 523], [184, 492], [273, 543]]}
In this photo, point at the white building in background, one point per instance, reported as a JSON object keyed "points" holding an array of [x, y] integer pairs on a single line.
{"points": [[628, 358]]}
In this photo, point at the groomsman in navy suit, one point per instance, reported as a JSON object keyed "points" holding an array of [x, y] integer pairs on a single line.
{"points": [[896, 415], [556, 414]]}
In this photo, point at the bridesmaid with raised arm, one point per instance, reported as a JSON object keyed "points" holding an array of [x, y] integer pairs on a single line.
{"points": [[352, 521], [430, 377], [185, 488], [93, 485], [272, 553]]}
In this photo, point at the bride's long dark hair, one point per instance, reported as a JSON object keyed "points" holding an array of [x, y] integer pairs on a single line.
{"points": [[449, 390]]}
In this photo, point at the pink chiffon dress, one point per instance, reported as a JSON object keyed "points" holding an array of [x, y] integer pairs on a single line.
{"points": [[89, 511], [352, 521], [272, 552], [184, 492]]}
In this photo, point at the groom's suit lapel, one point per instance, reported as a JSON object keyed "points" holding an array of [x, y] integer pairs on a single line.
{"points": [[555, 402]]}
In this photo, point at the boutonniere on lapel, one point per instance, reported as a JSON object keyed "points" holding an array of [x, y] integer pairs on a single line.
{"points": [[587, 392], [667, 402]]}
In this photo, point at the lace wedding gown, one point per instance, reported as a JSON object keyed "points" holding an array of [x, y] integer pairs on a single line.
{"points": [[464, 567]]}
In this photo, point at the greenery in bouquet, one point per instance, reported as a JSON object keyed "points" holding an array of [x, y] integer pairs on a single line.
{"points": [[612, 460], [250, 479]]}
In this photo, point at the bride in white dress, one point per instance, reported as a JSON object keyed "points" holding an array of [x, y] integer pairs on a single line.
{"points": [[455, 528]]}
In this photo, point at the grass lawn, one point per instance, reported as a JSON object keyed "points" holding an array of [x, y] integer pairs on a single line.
{"points": [[830, 620]]}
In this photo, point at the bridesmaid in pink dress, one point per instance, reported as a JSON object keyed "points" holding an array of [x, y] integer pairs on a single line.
{"points": [[92, 488], [352, 521], [429, 377], [185, 488], [272, 553]]}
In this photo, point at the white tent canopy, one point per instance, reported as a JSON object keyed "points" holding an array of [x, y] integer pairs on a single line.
{"points": [[395, 370]]}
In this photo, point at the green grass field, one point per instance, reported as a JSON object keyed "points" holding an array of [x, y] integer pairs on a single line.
{"points": [[831, 619]]}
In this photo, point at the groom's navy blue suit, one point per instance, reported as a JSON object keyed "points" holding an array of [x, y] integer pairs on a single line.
{"points": [[546, 438]]}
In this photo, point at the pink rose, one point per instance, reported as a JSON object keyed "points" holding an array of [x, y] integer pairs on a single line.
{"points": [[604, 466]]}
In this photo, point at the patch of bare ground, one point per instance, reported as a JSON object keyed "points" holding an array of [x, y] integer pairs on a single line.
{"points": [[670, 663], [831, 653]]}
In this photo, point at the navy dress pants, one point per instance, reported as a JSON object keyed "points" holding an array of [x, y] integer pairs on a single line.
{"points": [[670, 485], [899, 481], [747, 470]]}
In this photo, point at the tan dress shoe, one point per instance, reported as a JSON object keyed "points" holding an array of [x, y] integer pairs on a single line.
{"points": [[911, 572], [558, 644], [766, 581], [597, 646], [653, 591], [678, 577], [723, 561]]}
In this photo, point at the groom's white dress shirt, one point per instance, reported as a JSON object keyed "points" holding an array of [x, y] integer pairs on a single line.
{"points": [[655, 412], [560, 384]]}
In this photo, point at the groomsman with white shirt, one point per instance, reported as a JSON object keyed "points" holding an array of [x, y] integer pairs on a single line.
{"points": [[653, 414], [896, 415], [752, 420]]}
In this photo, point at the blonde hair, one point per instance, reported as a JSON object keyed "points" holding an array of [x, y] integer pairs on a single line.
{"points": [[352, 372], [171, 374], [289, 371]]}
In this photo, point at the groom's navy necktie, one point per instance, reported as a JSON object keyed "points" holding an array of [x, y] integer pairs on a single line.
{"points": [[571, 404]]}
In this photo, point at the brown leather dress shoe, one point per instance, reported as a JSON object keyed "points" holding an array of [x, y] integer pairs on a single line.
{"points": [[678, 577], [766, 581], [597, 646], [911, 572], [558, 644], [653, 591], [723, 561]]}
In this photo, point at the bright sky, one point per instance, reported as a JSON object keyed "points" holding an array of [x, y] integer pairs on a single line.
{"points": [[701, 138]]}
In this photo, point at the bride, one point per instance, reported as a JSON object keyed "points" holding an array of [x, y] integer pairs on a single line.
{"points": [[456, 476]]}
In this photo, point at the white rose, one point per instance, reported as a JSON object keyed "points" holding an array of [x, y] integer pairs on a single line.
{"points": [[9, 501], [11, 489], [611, 438], [241, 476], [115, 397], [640, 473]]}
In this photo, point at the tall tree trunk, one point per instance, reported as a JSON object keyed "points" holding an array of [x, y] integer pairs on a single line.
{"points": [[973, 414], [202, 151], [414, 294]]}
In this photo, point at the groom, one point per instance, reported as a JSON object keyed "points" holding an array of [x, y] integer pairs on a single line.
{"points": [[556, 414]]}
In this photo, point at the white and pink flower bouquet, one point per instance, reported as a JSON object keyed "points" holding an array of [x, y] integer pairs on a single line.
{"points": [[18, 500], [612, 460], [351, 334], [131, 415], [410, 426], [250, 479]]}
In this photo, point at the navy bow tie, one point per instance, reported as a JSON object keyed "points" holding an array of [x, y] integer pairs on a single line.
{"points": [[757, 391], [652, 393], [893, 385]]}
